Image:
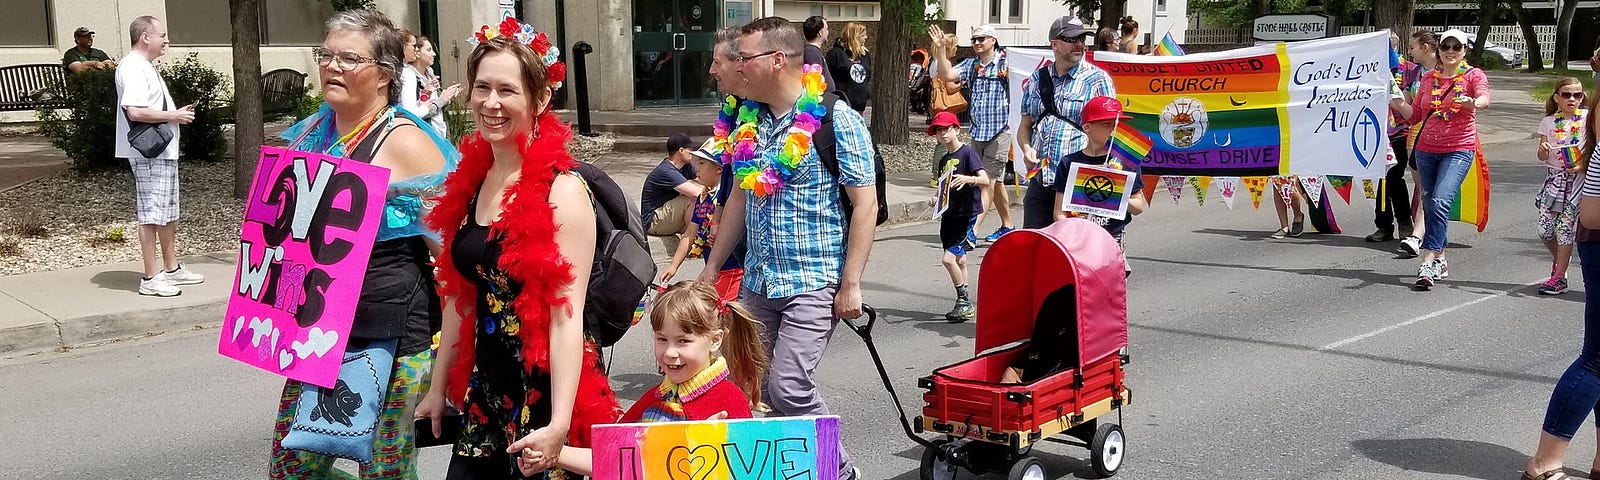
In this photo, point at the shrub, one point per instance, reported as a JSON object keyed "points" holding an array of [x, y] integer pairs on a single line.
{"points": [[457, 122], [193, 82], [1488, 61], [85, 132], [115, 235], [309, 103], [28, 224], [10, 247]]}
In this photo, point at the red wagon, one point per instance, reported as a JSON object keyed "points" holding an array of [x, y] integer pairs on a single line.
{"points": [[1052, 302]]}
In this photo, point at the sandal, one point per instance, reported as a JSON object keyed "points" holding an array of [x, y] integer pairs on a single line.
{"points": [[1280, 233], [1553, 474]]}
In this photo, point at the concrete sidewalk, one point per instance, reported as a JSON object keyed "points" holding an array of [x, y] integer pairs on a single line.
{"points": [[100, 303]]}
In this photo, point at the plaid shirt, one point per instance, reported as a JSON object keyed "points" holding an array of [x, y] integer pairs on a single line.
{"points": [[988, 94], [797, 235], [1052, 137]]}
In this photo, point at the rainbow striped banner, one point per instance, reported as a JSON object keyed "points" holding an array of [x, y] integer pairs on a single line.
{"points": [[1168, 47], [787, 447]]}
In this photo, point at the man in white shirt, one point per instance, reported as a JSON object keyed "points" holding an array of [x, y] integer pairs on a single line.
{"points": [[143, 96]]}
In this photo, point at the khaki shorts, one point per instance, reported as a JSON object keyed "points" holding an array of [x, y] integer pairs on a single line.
{"points": [[996, 153], [668, 219]]}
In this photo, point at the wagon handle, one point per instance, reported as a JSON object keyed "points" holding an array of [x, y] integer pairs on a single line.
{"points": [[865, 331]]}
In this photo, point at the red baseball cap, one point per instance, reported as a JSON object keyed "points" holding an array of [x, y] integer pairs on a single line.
{"points": [[941, 120], [1103, 108]]}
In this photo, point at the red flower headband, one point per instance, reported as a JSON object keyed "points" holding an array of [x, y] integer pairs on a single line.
{"points": [[555, 70]]}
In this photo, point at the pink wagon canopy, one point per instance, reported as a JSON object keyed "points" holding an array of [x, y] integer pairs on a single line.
{"points": [[1025, 266]]}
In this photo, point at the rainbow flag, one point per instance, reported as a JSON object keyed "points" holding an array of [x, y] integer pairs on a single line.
{"points": [[1472, 200], [1167, 47], [1571, 154], [1129, 145], [1097, 190]]}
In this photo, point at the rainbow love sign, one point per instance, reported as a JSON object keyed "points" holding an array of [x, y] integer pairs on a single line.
{"points": [[787, 447]]}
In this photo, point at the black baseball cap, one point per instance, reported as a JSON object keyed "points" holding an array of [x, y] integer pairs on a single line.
{"points": [[677, 141], [1066, 28]]}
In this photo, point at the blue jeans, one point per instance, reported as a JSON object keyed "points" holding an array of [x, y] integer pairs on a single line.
{"points": [[1578, 391], [1441, 175]]}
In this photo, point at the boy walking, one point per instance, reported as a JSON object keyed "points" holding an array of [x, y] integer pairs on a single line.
{"points": [[962, 168]]}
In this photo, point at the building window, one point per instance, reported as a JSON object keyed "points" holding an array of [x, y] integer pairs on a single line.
{"points": [[816, 10], [1014, 13], [206, 22], [295, 22], [852, 11], [1161, 6], [834, 11], [994, 11], [198, 22], [27, 25], [869, 11]]}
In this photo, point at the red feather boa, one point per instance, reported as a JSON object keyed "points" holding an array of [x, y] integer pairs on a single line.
{"points": [[530, 256]]}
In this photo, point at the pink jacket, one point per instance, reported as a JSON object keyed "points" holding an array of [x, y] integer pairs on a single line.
{"points": [[1461, 131]]}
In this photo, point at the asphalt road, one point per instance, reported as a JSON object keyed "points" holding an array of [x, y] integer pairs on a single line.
{"points": [[1252, 358]]}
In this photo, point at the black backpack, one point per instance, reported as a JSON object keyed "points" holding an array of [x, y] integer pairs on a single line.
{"points": [[828, 151], [623, 268]]}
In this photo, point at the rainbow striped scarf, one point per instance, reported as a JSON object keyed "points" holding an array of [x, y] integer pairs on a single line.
{"points": [[672, 396]]}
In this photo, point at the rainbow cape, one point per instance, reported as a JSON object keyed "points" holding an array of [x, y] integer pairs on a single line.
{"points": [[1472, 200], [1129, 145], [1167, 47]]}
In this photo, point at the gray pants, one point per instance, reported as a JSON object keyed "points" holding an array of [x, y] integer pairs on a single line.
{"points": [[796, 331]]}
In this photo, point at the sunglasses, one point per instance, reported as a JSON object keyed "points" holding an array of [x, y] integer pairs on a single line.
{"points": [[1071, 39], [1571, 95], [1454, 47], [977, 40]]}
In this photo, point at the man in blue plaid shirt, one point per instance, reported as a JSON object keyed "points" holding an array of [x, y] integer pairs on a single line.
{"points": [[1048, 136], [983, 78], [806, 253]]}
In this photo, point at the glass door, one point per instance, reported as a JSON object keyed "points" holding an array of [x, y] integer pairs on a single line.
{"points": [[672, 43]]}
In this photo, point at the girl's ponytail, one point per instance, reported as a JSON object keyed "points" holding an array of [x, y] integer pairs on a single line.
{"points": [[743, 350]]}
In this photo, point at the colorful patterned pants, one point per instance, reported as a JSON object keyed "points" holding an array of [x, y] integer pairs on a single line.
{"points": [[393, 456]]}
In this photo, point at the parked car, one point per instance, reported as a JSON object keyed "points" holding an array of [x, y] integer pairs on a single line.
{"points": [[1509, 57]]}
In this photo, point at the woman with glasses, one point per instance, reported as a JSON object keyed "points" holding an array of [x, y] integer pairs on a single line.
{"points": [[1446, 107], [397, 311]]}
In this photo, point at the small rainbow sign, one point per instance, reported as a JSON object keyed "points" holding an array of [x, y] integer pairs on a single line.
{"points": [[1098, 191], [786, 447]]}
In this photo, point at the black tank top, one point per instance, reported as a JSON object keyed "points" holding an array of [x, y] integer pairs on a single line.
{"points": [[398, 299]]}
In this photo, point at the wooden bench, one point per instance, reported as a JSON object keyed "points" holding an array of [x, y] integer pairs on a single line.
{"points": [[32, 87], [281, 91]]}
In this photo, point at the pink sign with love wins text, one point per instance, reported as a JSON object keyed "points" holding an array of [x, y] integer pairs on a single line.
{"points": [[309, 226]]}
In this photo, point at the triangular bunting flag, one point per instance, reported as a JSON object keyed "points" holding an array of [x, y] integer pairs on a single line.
{"points": [[1341, 185], [1200, 184], [1256, 186], [1174, 184], [1228, 186], [1313, 188], [1283, 187], [1369, 187], [1151, 182]]}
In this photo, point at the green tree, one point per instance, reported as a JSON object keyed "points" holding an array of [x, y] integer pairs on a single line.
{"points": [[248, 130], [1569, 9], [890, 93]]}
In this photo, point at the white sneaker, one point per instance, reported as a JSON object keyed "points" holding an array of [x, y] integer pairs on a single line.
{"points": [[158, 286], [1442, 267], [182, 276], [1410, 246]]}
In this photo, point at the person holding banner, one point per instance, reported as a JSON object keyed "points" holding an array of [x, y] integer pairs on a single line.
{"points": [[398, 310], [1446, 108], [519, 241], [984, 79], [1424, 50], [1560, 136], [807, 251], [1100, 117], [1052, 108], [712, 364]]}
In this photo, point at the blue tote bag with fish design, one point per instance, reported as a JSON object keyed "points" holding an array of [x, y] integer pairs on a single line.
{"points": [[343, 421]]}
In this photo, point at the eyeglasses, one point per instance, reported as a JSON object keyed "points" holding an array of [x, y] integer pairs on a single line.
{"points": [[1571, 95], [745, 58], [1452, 47], [345, 60]]}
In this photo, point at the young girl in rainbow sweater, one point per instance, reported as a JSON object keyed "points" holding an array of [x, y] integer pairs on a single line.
{"points": [[710, 354]]}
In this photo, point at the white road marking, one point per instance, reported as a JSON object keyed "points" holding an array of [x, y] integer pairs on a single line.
{"points": [[1390, 328]]}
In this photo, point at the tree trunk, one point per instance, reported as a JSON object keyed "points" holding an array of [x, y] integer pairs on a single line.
{"points": [[890, 59], [1535, 57], [247, 127], [1486, 17], [1396, 15], [1563, 53]]}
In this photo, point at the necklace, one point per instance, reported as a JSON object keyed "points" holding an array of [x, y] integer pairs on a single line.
{"points": [[764, 175], [1568, 128], [1456, 90]]}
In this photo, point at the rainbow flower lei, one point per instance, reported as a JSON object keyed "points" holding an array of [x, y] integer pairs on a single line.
{"points": [[762, 175], [1568, 128], [1457, 90]]}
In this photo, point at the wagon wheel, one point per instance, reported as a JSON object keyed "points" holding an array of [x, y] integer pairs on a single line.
{"points": [[934, 467], [1107, 450], [1028, 468]]}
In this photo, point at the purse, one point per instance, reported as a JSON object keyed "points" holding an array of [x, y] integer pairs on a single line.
{"points": [[149, 139], [343, 421], [944, 100]]}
